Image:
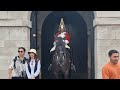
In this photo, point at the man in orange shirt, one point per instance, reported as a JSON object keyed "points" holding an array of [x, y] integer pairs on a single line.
{"points": [[112, 69]]}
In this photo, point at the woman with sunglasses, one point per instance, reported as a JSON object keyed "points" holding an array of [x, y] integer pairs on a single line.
{"points": [[17, 67], [33, 65]]}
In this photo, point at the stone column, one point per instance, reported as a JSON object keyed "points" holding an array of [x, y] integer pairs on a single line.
{"points": [[107, 37], [14, 32]]}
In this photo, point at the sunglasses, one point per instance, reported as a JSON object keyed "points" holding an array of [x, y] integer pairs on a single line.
{"points": [[20, 51]]}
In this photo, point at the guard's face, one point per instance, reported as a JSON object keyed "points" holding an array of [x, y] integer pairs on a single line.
{"points": [[114, 58], [62, 30]]}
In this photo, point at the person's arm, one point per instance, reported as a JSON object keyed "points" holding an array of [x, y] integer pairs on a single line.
{"points": [[27, 71], [105, 73], [67, 38], [10, 70], [10, 73], [38, 69]]}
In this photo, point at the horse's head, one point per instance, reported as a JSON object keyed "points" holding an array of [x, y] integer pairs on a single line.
{"points": [[60, 51], [59, 42]]}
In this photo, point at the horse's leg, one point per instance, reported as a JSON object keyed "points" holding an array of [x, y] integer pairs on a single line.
{"points": [[67, 74], [56, 75]]}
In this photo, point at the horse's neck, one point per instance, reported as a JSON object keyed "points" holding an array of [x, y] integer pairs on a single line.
{"points": [[61, 51], [61, 47]]}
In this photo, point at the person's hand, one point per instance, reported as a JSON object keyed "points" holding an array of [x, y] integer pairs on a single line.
{"points": [[33, 77], [10, 77]]}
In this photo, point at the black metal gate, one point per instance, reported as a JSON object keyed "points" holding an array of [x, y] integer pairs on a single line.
{"points": [[33, 31]]}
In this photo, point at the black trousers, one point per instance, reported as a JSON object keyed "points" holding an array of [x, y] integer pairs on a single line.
{"points": [[17, 78], [51, 55], [70, 53], [37, 77]]}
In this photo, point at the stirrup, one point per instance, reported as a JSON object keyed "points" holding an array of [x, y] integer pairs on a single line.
{"points": [[73, 67], [50, 67]]}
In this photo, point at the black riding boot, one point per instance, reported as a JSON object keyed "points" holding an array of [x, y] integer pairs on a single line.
{"points": [[70, 54], [51, 57], [71, 60]]}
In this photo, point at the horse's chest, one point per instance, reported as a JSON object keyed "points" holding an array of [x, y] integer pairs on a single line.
{"points": [[61, 60]]}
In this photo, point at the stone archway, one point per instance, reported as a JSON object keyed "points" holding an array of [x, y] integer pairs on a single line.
{"points": [[42, 19]]}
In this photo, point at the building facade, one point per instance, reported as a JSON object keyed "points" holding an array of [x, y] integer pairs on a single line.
{"points": [[21, 28]]}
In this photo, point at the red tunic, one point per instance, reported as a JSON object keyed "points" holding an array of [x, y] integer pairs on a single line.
{"points": [[67, 36]]}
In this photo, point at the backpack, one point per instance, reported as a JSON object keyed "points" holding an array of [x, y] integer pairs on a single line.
{"points": [[15, 59]]}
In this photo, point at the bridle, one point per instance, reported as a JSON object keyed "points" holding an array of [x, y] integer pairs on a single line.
{"points": [[58, 58]]}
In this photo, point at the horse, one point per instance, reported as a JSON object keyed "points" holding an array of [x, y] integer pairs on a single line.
{"points": [[61, 63]]}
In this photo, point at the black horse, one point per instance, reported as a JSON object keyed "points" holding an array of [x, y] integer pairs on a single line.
{"points": [[61, 63]]}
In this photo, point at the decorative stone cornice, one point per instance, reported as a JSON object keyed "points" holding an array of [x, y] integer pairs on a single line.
{"points": [[15, 22], [106, 21]]}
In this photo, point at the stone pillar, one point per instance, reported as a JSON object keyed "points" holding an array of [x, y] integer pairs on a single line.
{"points": [[14, 32], [107, 37]]}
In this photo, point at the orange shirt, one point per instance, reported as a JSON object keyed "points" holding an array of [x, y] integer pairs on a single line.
{"points": [[111, 71]]}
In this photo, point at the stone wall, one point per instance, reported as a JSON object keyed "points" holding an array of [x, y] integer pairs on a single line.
{"points": [[107, 37], [14, 32]]}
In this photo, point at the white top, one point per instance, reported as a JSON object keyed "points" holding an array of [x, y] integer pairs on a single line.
{"points": [[32, 66]]}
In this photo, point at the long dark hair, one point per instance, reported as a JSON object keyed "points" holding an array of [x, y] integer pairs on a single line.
{"points": [[36, 58]]}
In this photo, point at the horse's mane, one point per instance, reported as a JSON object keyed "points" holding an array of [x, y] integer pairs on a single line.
{"points": [[59, 41], [60, 44]]}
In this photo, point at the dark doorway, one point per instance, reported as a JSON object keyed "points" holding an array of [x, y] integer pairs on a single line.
{"points": [[78, 33], [78, 30]]}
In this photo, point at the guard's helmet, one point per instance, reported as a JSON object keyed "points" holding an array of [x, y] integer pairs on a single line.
{"points": [[62, 25]]}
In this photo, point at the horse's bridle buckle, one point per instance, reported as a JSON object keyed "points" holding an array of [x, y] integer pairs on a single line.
{"points": [[61, 52]]}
